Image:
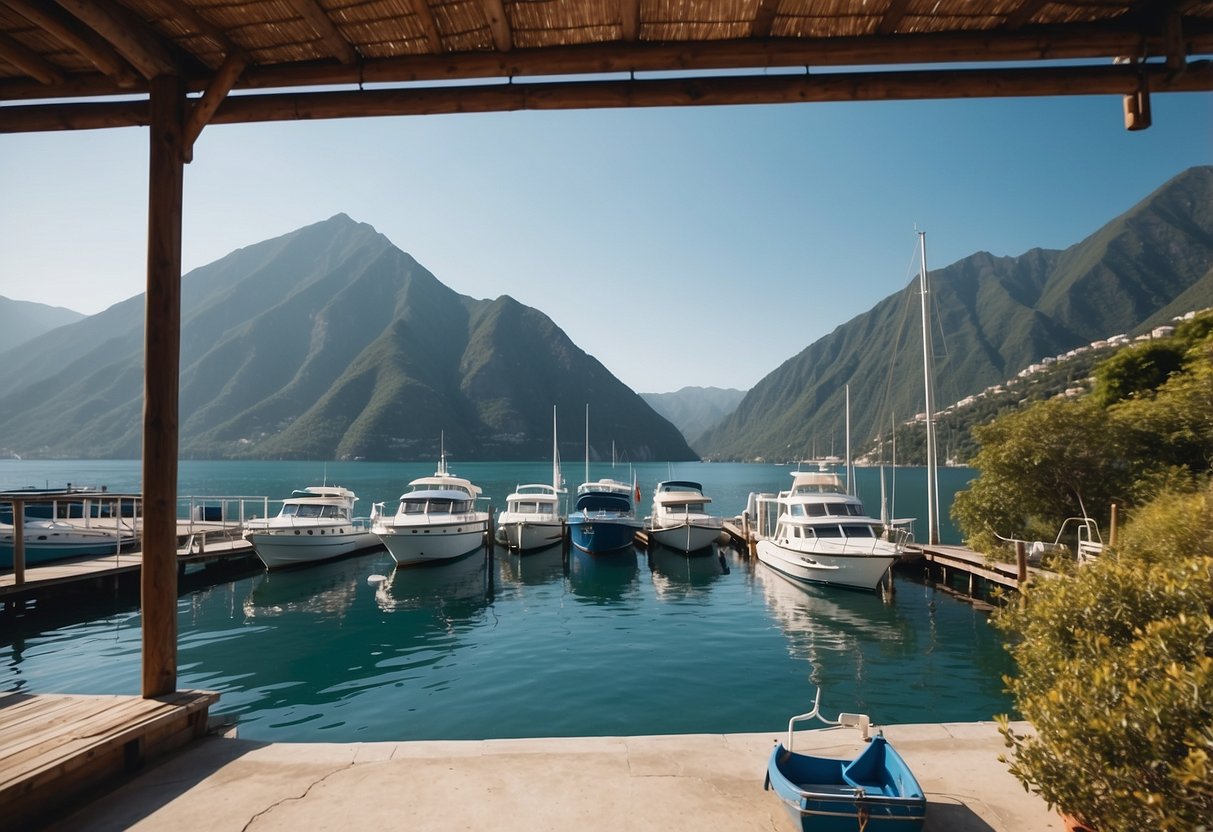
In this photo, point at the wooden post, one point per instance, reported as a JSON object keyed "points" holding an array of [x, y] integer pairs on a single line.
{"points": [[1021, 561], [18, 542], [162, 349]]}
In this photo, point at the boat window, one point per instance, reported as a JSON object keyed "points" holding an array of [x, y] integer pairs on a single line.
{"points": [[828, 531], [838, 509], [858, 530], [440, 506], [816, 509], [308, 511], [412, 506], [289, 510], [797, 510]]}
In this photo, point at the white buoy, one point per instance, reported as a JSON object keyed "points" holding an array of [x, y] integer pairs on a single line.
{"points": [[376, 579]]}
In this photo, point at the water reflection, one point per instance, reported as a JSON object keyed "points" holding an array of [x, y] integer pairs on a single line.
{"points": [[454, 592], [543, 566], [837, 631], [605, 578], [677, 577]]}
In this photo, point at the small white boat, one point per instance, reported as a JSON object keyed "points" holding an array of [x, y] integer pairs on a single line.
{"points": [[680, 519], [823, 535], [436, 520], [50, 540], [315, 524], [533, 517]]}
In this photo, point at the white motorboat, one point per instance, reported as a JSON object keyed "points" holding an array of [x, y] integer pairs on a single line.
{"points": [[680, 519], [823, 535], [436, 520], [315, 524], [533, 516], [49, 540]]}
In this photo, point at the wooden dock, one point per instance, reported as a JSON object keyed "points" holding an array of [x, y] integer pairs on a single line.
{"points": [[200, 546], [955, 568], [56, 749]]}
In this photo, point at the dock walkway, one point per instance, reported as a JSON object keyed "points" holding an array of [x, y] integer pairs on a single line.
{"points": [[590, 784]]}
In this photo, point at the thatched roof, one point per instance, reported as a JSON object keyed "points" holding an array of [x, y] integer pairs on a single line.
{"points": [[413, 56]]}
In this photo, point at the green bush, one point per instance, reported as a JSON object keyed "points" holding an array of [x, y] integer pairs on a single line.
{"points": [[1115, 674]]}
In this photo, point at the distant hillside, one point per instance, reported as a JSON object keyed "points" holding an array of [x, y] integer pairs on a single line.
{"points": [[21, 321], [326, 343], [993, 316], [694, 410]]}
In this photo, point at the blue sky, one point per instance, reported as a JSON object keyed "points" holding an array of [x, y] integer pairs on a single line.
{"points": [[688, 246]]}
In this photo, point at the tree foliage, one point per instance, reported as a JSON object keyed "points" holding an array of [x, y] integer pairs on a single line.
{"points": [[1064, 458]]}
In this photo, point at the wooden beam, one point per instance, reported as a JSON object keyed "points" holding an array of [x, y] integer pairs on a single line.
{"points": [[319, 20], [893, 16], [629, 20], [664, 92], [499, 24], [433, 37], [139, 45], [182, 11], [1081, 42], [201, 112], [1024, 13], [764, 18], [29, 61], [67, 31], [161, 373]]}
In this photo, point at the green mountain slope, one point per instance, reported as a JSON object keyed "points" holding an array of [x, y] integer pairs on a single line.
{"points": [[328, 342], [992, 317], [22, 320]]}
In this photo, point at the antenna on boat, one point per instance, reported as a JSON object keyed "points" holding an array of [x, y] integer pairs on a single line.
{"points": [[587, 443], [928, 383], [442, 453]]}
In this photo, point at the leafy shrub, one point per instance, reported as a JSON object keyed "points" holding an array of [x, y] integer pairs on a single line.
{"points": [[1115, 673]]}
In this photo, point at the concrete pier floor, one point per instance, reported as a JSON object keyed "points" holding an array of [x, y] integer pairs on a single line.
{"points": [[635, 784]]}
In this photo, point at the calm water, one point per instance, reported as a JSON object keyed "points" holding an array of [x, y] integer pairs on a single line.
{"points": [[547, 644]]}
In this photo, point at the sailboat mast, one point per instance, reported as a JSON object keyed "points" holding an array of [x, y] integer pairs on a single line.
{"points": [[928, 362], [850, 475], [587, 444], [555, 454]]}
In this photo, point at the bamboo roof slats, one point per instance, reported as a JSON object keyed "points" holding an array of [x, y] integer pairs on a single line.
{"points": [[90, 50]]}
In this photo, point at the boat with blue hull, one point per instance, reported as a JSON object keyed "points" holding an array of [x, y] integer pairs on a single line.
{"points": [[605, 517], [874, 791]]}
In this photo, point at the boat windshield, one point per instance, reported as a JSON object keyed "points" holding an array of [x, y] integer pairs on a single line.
{"points": [[826, 510], [310, 511], [435, 505]]}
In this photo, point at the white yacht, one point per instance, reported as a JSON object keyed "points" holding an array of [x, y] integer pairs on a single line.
{"points": [[823, 535], [435, 520], [680, 519], [534, 517], [315, 523]]}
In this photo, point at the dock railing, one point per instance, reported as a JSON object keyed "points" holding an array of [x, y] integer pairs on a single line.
{"points": [[209, 518]]}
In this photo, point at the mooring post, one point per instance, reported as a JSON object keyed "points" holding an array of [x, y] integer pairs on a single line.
{"points": [[1021, 562]]}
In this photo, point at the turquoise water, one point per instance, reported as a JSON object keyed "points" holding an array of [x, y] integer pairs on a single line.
{"points": [[547, 644]]}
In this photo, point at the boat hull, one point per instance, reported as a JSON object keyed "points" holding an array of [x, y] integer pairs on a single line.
{"points": [[413, 544], [524, 536], [852, 570], [686, 537], [876, 791], [280, 549], [48, 540], [596, 536]]}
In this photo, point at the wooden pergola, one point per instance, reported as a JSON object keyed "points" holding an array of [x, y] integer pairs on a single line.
{"points": [[175, 66]]}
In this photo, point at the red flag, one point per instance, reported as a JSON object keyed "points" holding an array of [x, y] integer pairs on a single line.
{"points": [[637, 486]]}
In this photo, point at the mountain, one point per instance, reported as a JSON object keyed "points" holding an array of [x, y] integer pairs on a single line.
{"points": [[694, 410], [329, 342], [21, 321], [992, 316]]}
